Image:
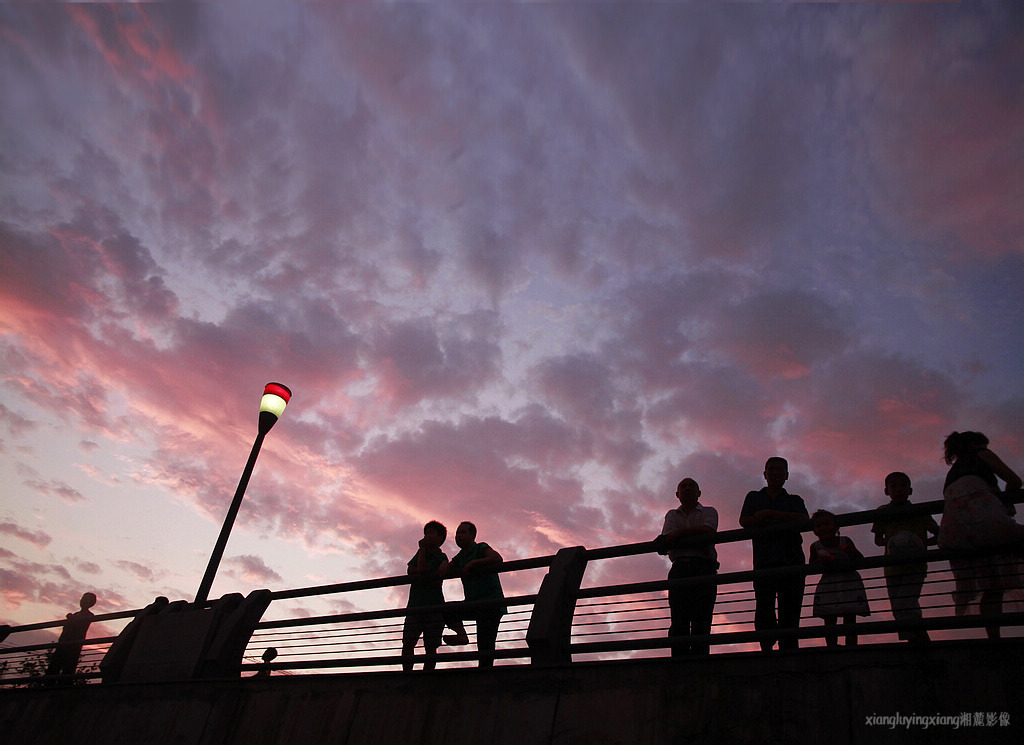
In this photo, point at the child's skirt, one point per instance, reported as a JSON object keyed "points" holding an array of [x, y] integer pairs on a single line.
{"points": [[841, 594]]}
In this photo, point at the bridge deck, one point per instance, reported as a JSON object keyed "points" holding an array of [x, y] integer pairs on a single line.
{"points": [[833, 696]]}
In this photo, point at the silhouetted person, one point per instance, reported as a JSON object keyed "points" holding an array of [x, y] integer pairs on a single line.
{"points": [[975, 517], [467, 563], [904, 536], [268, 656], [840, 590], [64, 659], [773, 505], [425, 590], [691, 608]]}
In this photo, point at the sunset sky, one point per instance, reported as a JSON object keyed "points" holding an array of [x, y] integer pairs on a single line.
{"points": [[525, 265]]}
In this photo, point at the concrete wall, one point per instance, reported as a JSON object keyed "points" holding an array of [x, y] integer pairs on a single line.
{"points": [[807, 696]]}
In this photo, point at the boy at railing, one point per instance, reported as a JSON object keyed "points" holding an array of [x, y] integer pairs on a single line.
{"points": [[902, 536], [425, 590]]}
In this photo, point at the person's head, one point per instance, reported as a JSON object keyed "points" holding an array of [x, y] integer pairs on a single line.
{"points": [[897, 487], [776, 471], [435, 533], [824, 524], [959, 444], [688, 492], [88, 601], [465, 534], [269, 654]]}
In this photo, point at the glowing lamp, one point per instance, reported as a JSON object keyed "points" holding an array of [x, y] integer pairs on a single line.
{"points": [[275, 398]]}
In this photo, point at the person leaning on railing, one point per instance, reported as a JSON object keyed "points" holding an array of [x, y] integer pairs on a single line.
{"points": [[773, 505], [691, 607], [64, 660], [975, 516], [476, 586], [904, 536]]}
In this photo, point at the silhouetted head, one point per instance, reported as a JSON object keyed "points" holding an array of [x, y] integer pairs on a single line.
{"points": [[465, 534], [436, 532], [688, 492], [824, 524], [959, 444], [269, 654], [776, 471], [88, 601], [897, 487]]}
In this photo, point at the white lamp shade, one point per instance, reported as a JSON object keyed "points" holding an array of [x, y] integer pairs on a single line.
{"points": [[275, 398]]}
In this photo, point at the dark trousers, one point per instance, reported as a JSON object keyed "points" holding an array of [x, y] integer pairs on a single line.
{"points": [[64, 660], [905, 598], [486, 636], [692, 607], [430, 626], [487, 623], [788, 591]]}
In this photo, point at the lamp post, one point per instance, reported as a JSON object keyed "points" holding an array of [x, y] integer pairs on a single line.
{"points": [[275, 398]]}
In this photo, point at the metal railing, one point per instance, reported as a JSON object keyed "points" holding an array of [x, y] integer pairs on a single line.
{"points": [[561, 622]]}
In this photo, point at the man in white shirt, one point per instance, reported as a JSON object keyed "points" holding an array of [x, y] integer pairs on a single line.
{"points": [[692, 606]]}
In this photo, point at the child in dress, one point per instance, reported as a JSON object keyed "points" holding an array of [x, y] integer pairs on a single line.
{"points": [[840, 590]]}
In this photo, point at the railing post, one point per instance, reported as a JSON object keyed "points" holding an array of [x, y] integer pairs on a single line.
{"points": [[551, 623]]}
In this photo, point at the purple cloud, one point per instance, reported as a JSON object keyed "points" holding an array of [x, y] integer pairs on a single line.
{"points": [[37, 538]]}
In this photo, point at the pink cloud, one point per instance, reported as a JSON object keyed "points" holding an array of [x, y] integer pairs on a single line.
{"points": [[133, 45], [780, 334], [36, 582], [944, 128], [584, 389], [16, 424], [56, 488], [52, 584], [37, 538], [142, 572], [868, 414], [412, 361], [252, 569]]}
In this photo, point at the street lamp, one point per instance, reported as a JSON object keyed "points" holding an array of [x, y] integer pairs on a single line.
{"points": [[275, 398]]}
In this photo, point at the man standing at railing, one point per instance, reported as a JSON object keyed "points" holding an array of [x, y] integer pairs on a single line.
{"points": [[425, 590], [64, 660], [773, 505], [691, 607], [476, 586]]}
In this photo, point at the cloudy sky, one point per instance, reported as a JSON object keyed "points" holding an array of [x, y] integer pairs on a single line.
{"points": [[523, 265]]}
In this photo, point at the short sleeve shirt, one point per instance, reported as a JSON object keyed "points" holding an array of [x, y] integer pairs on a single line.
{"points": [[427, 590], [782, 549], [701, 515], [484, 586], [920, 525]]}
